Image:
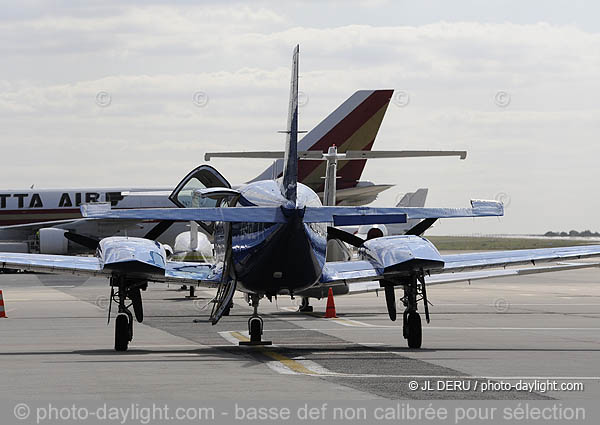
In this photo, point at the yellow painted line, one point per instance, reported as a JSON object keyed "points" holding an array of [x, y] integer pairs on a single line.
{"points": [[239, 336], [289, 363], [286, 361]]}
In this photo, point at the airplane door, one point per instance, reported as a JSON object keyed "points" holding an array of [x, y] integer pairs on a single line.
{"points": [[185, 196], [201, 177]]}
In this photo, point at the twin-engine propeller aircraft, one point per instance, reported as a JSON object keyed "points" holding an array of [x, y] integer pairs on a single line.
{"points": [[271, 239]]}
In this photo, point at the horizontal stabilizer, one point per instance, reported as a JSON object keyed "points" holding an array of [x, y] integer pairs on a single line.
{"points": [[262, 155], [341, 216], [402, 154], [348, 155], [233, 214], [479, 209], [360, 220]]}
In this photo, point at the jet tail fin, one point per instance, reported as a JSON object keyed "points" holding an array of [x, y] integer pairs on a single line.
{"points": [[414, 199], [351, 126], [289, 182]]}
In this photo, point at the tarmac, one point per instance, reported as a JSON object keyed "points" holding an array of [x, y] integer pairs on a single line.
{"points": [[540, 328]]}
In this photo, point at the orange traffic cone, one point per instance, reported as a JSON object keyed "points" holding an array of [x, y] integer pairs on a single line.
{"points": [[330, 311], [2, 312]]}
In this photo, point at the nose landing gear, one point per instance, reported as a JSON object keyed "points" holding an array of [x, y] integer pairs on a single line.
{"points": [[255, 326]]}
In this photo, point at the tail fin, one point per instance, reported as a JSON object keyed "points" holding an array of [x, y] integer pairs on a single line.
{"points": [[414, 199], [289, 182], [351, 126]]}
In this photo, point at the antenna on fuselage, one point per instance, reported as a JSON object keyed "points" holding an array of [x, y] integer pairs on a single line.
{"points": [[289, 183]]}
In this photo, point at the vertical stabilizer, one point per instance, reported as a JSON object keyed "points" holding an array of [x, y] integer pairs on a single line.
{"points": [[289, 181], [351, 126], [414, 199]]}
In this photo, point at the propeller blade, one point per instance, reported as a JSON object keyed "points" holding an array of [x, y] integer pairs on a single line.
{"points": [[421, 227], [159, 229], [349, 238], [86, 241]]}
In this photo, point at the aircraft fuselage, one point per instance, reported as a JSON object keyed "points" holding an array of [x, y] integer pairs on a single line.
{"points": [[276, 258]]}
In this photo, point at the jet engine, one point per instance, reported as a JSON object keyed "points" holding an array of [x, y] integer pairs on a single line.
{"points": [[53, 241]]}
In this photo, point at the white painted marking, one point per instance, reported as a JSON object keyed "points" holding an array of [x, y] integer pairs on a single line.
{"points": [[506, 378], [172, 346], [450, 328], [351, 322], [294, 309]]}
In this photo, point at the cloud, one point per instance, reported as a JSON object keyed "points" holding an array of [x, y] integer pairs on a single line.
{"points": [[540, 148]]}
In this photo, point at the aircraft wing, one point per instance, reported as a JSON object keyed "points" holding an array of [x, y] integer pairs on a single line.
{"points": [[175, 271], [460, 267], [39, 225], [179, 271], [481, 260], [88, 266], [373, 286]]}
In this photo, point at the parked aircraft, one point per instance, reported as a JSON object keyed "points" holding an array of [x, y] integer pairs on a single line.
{"points": [[271, 240]]}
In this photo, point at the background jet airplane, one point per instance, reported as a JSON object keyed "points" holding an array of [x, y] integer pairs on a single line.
{"points": [[36, 220], [271, 239]]}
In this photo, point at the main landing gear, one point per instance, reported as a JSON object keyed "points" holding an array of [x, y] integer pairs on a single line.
{"points": [[127, 295], [255, 325], [414, 291], [305, 306]]}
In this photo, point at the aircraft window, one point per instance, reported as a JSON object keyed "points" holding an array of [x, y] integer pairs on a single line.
{"points": [[186, 198]]}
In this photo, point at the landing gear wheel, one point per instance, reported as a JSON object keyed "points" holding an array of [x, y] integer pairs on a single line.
{"points": [[255, 326], [305, 306], [122, 332], [414, 330]]}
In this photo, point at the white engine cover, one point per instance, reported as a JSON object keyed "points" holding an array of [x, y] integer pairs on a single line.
{"points": [[363, 231], [53, 241], [183, 251]]}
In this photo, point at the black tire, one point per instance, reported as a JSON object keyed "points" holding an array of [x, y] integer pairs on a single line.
{"points": [[415, 331], [121, 333], [255, 329]]}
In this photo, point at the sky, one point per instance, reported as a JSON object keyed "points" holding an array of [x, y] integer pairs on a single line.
{"points": [[111, 93]]}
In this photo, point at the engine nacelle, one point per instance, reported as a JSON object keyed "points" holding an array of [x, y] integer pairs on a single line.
{"points": [[372, 231], [184, 251], [53, 241]]}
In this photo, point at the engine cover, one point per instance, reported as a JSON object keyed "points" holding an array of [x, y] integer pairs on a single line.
{"points": [[53, 241]]}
